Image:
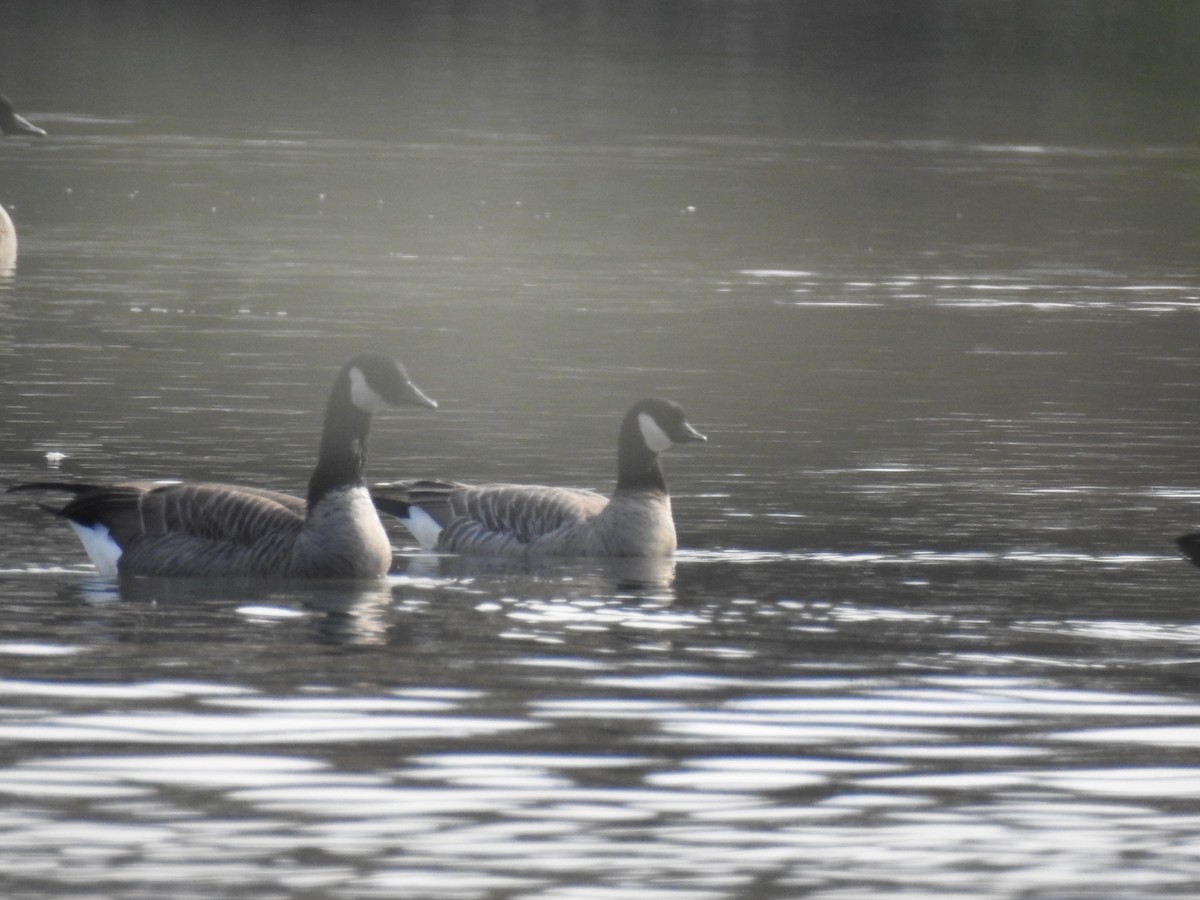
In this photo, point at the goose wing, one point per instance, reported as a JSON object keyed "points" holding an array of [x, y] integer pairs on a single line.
{"points": [[211, 512], [518, 512]]}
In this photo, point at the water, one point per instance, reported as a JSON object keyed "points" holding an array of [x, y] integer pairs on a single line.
{"points": [[927, 634]]}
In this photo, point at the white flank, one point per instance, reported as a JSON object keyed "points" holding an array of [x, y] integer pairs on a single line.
{"points": [[656, 439], [363, 395], [100, 546], [423, 527]]}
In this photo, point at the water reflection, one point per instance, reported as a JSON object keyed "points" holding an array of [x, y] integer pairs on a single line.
{"points": [[255, 721], [607, 575], [513, 717], [525, 821], [334, 612]]}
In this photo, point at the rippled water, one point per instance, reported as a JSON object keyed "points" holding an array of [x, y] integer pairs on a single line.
{"points": [[927, 635], [769, 725]]}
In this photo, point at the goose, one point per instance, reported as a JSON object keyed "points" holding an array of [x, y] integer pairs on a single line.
{"points": [[207, 530], [11, 123], [533, 521], [1189, 546], [8, 243]]}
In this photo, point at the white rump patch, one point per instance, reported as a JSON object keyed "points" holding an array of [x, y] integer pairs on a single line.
{"points": [[363, 395], [100, 546], [423, 527], [656, 439]]}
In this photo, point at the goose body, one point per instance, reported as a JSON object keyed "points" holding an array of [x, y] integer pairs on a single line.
{"points": [[11, 123], [1189, 546], [210, 529], [516, 520], [8, 243]]}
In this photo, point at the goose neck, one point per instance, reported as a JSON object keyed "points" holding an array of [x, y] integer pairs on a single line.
{"points": [[638, 467], [343, 454]]}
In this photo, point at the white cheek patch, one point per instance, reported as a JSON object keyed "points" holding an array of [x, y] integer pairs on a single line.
{"points": [[363, 395], [103, 551], [656, 439]]}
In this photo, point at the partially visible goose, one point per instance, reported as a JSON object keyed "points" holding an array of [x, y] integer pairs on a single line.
{"points": [[11, 123], [8, 243], [537, 521], [1189, 546], [201, 529]]}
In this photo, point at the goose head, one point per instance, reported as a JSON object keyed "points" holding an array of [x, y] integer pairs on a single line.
{"points": [[660, 424], [11, 123], [375, 381], [650, 427], [370, 382]]}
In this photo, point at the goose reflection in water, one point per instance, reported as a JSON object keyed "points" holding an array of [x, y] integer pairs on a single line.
{"points": [[340, 613], [619, 573]]}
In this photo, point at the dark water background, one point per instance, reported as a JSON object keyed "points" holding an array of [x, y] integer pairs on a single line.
{"points": [[924, 273]]}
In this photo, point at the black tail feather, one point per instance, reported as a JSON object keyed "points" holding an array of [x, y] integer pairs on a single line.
{"points": [[392, 506], [71, 487]]}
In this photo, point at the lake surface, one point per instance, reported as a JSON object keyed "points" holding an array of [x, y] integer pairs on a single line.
{"points": [[927, 634]]}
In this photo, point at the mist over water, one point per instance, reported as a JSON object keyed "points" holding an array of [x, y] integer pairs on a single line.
{"points": [[924, 275]]}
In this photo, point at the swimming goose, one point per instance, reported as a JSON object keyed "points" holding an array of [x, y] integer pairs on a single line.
{"points": [[11, 123], [538, 521], [202, 529]]}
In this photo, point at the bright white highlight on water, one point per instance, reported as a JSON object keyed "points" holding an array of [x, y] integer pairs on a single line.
{"points": [[30, 648], [776, 273], [259, 611]]}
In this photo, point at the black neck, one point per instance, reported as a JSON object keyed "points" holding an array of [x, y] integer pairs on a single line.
{"points": [[638, 468], [343, 454]]}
